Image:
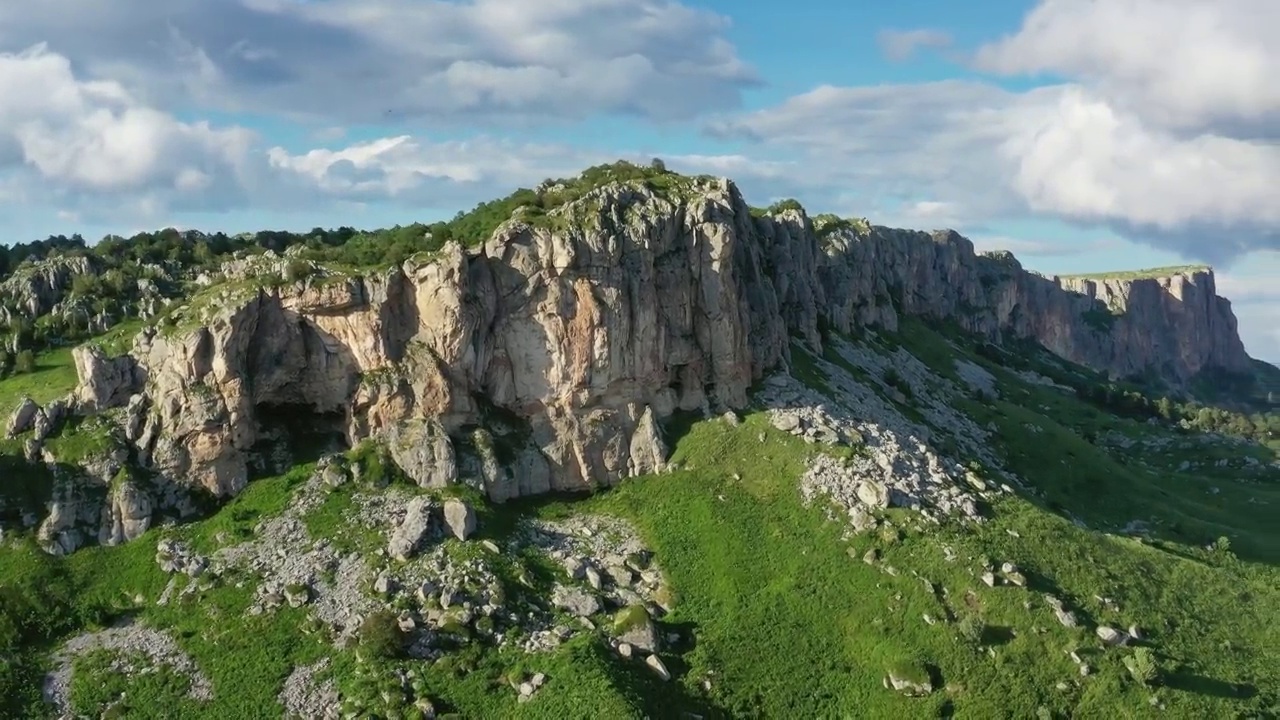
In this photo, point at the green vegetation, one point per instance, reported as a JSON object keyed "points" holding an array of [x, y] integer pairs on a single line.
{"points": [[825, 224], [772, 595], [380, 636], [1100, 319], [1143, 274], [52, 377]]}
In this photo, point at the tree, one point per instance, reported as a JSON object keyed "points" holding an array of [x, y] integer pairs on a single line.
{"points": [[657, 165]]}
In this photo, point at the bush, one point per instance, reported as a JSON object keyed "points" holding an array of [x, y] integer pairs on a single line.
{"points": [[25, 362], [380, 636], [298, 270], [971, 629], [1142, 666]]}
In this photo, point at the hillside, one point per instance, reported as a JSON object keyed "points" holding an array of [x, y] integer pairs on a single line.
{"points": [[624, 446]]}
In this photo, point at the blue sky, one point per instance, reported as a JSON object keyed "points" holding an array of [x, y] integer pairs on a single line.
{"points": [[1081, 135]]}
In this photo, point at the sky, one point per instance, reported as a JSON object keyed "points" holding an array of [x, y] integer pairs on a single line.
{"points": [[1083, 135]]}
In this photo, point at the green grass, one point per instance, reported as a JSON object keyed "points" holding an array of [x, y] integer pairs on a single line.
{"points": [[53, 378], [153, 696], [772, 602], [1142, 274]]}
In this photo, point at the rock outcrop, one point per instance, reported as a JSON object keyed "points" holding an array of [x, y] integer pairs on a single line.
{"points": [[36, 288], [586, 338]]}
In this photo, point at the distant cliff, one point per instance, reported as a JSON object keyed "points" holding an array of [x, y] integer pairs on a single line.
{"points": [[1173, 327], [583, 328]]}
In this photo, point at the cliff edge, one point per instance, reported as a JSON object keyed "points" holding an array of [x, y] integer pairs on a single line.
{"points": [[551, 352]]}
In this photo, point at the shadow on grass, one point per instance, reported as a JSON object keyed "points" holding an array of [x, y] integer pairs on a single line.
{"points": [[658, 698], [1201, 685], [997, 635]]}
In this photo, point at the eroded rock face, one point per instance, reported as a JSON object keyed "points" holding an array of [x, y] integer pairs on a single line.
{"points": [[424, 452], [105, 382], [127, 515], [1176, 326], [591, 337]]}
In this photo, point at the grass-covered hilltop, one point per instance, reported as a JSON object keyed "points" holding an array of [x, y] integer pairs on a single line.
{"points": [[624, 446]]}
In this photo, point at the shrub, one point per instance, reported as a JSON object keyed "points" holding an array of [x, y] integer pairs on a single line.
{"points": [[298, 270], [1142, 666], [971, 629], [25, 362], [380, 636]]}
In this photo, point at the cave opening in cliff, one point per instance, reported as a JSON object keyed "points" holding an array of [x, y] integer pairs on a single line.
{"points": [[291, 433]]}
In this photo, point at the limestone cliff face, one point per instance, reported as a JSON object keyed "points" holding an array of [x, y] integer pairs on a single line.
{"points": [[637, 307], [643, 308], [1173, 326]]}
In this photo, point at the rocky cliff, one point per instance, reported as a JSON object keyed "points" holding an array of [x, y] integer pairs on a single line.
{"points": [[1173, 326], [550, 354]]}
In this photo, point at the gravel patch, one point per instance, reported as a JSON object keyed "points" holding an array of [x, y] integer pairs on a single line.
{"points": [[125, 638]]}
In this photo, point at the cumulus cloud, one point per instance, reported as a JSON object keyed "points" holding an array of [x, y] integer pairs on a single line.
{"points": [[94, 138], [900, 45], [361, 61], [1189, 64], [409, 169], [1024, 248], [1159, 132]]}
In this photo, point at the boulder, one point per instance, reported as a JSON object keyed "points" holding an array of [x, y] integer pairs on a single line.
{"points": [[648, 453], [1111, 636], [633, 626], [424, 451], [23, 417], [575, 600], [656, 665], [411, 531], [460, 518], [872, 493]]}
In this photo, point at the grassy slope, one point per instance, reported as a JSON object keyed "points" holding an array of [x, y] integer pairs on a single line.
{"points": [[54, 377], [781, 608]]}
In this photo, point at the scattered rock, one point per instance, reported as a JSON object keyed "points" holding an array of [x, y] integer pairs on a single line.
{"points": [[407, 537], [575, 600], [1111, 636], [305, 696], [460, 518], [126, 638], [908, 686], [655, 664]]}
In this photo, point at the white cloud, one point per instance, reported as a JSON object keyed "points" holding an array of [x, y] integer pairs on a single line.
{"points": [[95, 138], [902, 44], [415, 170], [427, 60], [1173, 154], [1024, 248], [1185, 63]]}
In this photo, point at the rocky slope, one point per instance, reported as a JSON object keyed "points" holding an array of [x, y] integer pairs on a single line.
{"points": [[586, 331]]}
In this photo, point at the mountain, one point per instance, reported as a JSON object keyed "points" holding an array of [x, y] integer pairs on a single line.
{"points": [[354, 432]]}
